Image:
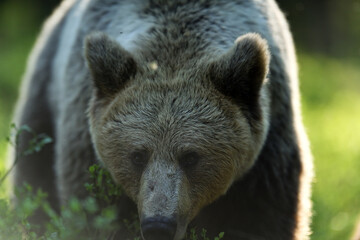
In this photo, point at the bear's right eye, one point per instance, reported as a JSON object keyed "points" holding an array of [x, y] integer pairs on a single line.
{"points": [[139, 158]]}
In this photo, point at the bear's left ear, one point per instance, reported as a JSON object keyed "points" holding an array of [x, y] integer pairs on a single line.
{"points": [[240, 72], [110, 65]]}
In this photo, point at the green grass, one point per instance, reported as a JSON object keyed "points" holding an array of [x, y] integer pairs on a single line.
{"points": [[331, 107], [18, 29], [12, 64]]}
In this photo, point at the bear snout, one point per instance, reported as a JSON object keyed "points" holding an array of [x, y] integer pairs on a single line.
{"points": [[158, 228]]}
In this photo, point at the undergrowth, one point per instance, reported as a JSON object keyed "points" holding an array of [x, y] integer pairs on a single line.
{"points": [[94, 217]]}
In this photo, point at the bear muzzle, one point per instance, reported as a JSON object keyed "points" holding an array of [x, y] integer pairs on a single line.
{"points": [[163, 204]]}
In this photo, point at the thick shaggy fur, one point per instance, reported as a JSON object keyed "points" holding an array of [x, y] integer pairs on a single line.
{"points": [[214, 110]]}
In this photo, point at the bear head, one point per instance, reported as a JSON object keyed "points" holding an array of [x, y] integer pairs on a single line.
{"points": [[176, 140]]}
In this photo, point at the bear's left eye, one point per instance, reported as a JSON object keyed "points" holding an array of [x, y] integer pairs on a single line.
{"points": [[189, 160], [139, 158]]}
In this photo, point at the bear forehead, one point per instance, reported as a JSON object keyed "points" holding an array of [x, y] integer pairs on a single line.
{"points": [[167, 104], [172, 115]]}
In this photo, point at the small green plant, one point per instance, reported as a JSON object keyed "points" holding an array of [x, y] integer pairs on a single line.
{"points": [[37, 142], [14, 222], [101, 185], [81, 220], [193, 235]]}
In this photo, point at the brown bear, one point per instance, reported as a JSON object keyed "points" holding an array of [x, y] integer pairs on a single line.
{"points": [[192, 106]]}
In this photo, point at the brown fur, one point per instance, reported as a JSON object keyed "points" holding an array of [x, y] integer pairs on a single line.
{"points": [[192, 124], [172, 116]]}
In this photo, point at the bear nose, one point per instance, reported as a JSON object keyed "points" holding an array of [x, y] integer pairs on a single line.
{"points": [[158, 228]]}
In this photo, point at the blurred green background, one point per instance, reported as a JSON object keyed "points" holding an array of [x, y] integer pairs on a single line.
{"points": [[327, 35]]}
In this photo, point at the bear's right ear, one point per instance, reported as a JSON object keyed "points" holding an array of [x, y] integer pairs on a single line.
{"points": [[110, 65]]}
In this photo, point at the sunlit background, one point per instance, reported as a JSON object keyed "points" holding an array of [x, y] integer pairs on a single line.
{"points": [[327, 35]]}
